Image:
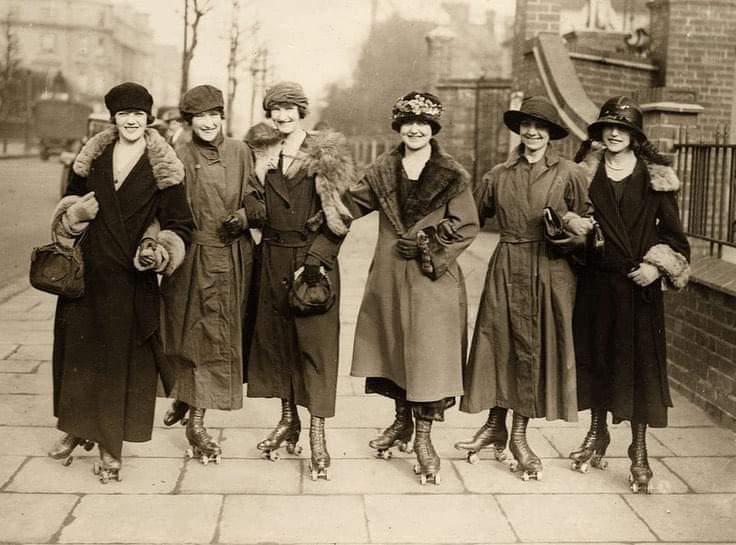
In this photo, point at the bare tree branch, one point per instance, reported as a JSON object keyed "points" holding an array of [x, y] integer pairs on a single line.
{"points": [[199, 8]]}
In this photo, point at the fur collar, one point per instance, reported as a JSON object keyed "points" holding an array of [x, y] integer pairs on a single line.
{"points": [[168, 170], [661, 177]]}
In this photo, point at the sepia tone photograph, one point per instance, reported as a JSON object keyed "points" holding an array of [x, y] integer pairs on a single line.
{"points": [[367, 272]]}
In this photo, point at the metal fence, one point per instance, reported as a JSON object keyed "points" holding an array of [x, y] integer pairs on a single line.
{"points": [[366, 149], [707, 198]]}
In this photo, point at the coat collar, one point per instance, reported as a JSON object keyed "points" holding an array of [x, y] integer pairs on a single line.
{"points": [[661, 177], [168, 170], [551, 157]]}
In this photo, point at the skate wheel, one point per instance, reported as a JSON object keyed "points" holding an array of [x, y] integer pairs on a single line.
{"points": [[96, 468], [189, 453], [525, 476], [273, 455], [313, 474], [437, 479], [600, 464], [67, 461], [417, 469], [88, 445], [584, 467], [473, 458], [422, 479], [204, 459], [294, 449], [499, 454], [513, 465], [218, 459], [538, 476], [384, 455], [405, 447]]}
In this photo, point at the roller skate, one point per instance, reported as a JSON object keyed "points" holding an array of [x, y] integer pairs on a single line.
{"points": [[594, 446], [286, 433], [428, 461], [63, 448], [641, 473], [318, 445], [397, 434], [108, 468], [493, 433], [202, 445], [176, 413], [524, 459]]}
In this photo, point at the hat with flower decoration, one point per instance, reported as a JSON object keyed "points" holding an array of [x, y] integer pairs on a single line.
{"points": [[417, 106]]}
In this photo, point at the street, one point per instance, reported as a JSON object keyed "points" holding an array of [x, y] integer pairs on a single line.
{"points": [[29, 191]]}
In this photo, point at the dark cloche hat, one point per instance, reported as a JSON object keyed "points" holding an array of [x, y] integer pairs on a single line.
{"points": [[537, 108], [129, 96], [202, 98], [621, 111], [417, 106]]}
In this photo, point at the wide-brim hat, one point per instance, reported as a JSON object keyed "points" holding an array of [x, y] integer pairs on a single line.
{"points": [[622, 112], [417, 106], [536, 109]]}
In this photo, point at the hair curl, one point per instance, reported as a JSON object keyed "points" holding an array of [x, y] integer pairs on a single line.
{"points": [[643, 149]]}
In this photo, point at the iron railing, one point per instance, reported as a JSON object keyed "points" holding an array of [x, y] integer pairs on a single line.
{"points": [[366, 149]]}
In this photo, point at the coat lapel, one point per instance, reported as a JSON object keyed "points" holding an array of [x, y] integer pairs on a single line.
{"points": [[607, 210], [102, 185], [138, 189]]}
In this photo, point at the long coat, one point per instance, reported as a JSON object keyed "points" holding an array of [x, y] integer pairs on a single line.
{"points": [[522, 355], [105, 343], [412, 326], [296, 357], [619, 326], [206, 298]]}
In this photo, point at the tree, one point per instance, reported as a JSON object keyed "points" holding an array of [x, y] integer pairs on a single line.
{"points": [[9, 69], [232, 64], [199, 9]]}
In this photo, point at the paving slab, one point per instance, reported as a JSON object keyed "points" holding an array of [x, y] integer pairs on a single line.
{"points": [[24, 383], [573, 517], [8, 466], [32, 352], [697, 441], [394, 476], [445, 439], [436, 519], [26, 410], [293, 519], [19, 366], [29, 440], [6, 349], [139, 476], [686, 414], [26, 337], [688, 517], [176, 519], [20, 326], [164, 443], [491, 477], [33, 518], [242, 477], [705, 474], [565, 440]]}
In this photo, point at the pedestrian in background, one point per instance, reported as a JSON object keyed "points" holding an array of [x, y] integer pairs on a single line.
{"points": [[205, 300], [105, 359], [411, 333], [522, 355], [619, 321], [294, 355]]}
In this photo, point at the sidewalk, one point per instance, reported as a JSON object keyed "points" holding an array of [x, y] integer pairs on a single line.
{"points": [[165, 498]]}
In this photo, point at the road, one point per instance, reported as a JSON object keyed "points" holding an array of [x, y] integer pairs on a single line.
{"points": [[29, 191]]}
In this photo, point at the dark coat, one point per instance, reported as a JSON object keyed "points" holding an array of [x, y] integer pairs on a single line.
{"points": [[105, 367], [294, 357], [619, 327]]}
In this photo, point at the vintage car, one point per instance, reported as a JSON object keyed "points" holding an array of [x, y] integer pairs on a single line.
{"points": [[96, 122], [59, 125]]}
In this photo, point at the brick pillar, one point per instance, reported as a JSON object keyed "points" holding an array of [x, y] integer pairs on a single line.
{"points": [[668, 113], [532, 18]]}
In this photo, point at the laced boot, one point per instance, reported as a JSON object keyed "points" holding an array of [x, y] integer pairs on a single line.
{"points": [[641, 473], [397, 434], [493, 433], [201, 444], [108, 468], [318, 445], [594, 445], [286, 433], [524, 458], [428, 461], [176, 413], [63, 448]]}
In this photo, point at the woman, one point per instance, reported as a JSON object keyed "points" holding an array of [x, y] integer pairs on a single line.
{"points": [[619, 314], [294, 353], [105, 363], [411, 334], [205, 300], [522, 355]]}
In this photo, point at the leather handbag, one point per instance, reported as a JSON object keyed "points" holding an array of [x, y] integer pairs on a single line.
{"points": [[58, 269], [306, 300], [558, 238]]}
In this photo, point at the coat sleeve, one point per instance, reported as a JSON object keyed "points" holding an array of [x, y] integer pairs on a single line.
{"points": [[361, 199], [453, 234], [254, 203], [576, 194], [75, 189], [671, 254], [175, 220], [485, 196]]}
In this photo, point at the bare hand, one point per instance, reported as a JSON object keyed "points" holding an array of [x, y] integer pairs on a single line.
{"points": [[580, 226], [644, 274], [407, 248]]}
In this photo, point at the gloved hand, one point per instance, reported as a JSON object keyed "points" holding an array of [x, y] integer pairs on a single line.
{"points": [[146, 253], [407, 248], [85, 209], [233, 225], [311, 274], [644, 275], [579, 226]]}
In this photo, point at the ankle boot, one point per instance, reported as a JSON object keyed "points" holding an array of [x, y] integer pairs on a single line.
{"points": [[641, 473], [286, 433], [493, 433], [108, 468], [318, 445], [397, 434], [201, 443], [594, 445], [63, 448], [428, 461], [525, 460]]}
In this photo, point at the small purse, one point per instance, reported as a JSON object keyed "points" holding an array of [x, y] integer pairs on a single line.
{"points": [[561, 241], [58, 269], [306, 300]]}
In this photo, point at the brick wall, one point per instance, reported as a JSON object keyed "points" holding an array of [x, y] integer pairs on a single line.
{"points": [[602, 80]]}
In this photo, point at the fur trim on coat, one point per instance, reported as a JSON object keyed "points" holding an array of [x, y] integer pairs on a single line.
{"points": [[172, 243], [62, 227], [328, 158], [673, 265], [168, 170], [662, 177]]}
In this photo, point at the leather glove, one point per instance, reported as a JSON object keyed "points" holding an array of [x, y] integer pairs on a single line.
{"points": [[146, 254], [162, 258], [85, 209], [407, 248], [233, 225], [644, 274], [311, 274]]}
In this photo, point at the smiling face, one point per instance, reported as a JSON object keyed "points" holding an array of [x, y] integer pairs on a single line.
{"points": [[286, 118], [131, 124], [534, 135], [206, 125], [415, 134], [616, 138]]}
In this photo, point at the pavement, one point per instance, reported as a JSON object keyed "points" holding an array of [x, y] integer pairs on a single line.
{"points": [[165, 498]]}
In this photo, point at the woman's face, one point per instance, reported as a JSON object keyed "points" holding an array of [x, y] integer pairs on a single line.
{"points": [[415, 134], [206, 125], [616, 138], [286, 118], [534, 135], [131, 124]]}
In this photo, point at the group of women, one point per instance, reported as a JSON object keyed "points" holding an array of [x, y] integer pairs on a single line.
{"points": [[246, 240]]}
